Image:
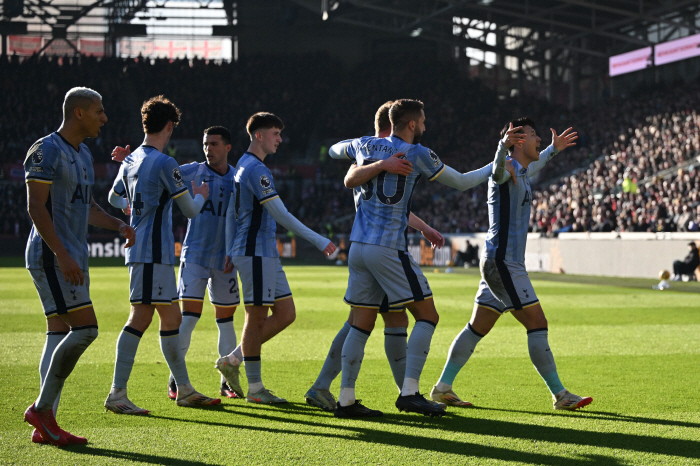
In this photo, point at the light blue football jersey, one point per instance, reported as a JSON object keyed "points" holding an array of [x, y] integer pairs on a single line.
{"points": [[151, 180], [54, 161], [509, 210], [385, 201], [205, 243], [256, 228]]}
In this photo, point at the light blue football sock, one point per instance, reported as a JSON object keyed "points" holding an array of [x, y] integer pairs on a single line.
{"points": [[460, 351], [333, 364], [543, 359]]}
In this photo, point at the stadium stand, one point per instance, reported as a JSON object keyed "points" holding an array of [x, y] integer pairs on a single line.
{"points": [[633, 170]]}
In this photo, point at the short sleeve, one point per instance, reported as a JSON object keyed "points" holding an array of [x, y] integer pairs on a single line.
{"points": [[40, 164], [260, 182], [171, 178], [428, 163], [118, 186]]}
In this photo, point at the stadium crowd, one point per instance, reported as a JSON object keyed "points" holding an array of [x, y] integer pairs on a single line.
{"points": [[611, 178]]}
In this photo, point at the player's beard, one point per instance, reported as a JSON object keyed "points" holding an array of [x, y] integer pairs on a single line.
{"points": [[416, 138]]}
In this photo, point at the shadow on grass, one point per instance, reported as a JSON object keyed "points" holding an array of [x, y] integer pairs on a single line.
{"points": [[364, 433], [601, 416], [132, 456]]}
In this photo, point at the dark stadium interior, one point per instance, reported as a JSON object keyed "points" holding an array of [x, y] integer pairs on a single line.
{"points": [[631, 171]]}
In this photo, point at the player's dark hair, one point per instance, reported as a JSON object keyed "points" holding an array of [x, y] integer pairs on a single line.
{"points": [[263, 120], [523, 121], [404, 110], [381, 118], [156, 112], [220, 131]]}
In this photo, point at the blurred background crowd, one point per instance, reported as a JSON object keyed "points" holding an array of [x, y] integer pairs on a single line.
{"points": [[634, 168]]}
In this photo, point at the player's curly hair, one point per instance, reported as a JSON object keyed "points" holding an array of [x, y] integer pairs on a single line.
{"points": [[156, 112], [263, 120], [381, 118], [522, 121], [403, 111]]}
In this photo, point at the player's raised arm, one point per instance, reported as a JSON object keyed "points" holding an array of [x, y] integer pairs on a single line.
{"points": [[189, 206], [282, 216], [559, 143], [511, 138], [359, 175]]}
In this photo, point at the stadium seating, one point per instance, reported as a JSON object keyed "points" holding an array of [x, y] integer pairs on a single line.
{"points": [[633, 169]]}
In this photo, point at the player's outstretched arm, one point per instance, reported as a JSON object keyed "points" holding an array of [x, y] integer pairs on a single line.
{"points": [[189, 206], [37, 196], [357, 176], [559, 143], [431, 234], [101, 219], [339, 150], [282, 216]]}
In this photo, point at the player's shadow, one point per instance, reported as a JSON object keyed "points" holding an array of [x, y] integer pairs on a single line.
{"points": [[487, 427], [602, 416], [132, 456]]}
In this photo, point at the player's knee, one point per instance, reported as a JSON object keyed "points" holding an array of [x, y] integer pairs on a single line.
{"points": [[290, 316]]}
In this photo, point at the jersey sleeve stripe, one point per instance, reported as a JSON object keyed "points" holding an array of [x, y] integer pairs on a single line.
{"points": [[442, 169], [179, 193], [269, 198], [118, 193]]}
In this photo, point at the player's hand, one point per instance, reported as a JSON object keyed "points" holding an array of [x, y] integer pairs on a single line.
{"points": [[437, 241], [228, 265], [120, 153], [70, 270], [203, 189], [396, 165], [513, 138], [128, 232], [511, 169], [127, 210], [564, 140], [330, 249]]}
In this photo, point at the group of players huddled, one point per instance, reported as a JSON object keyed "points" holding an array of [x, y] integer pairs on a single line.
{"points": [[233, 213]]}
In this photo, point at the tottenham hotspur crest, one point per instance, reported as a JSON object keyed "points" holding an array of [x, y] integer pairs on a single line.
{"points": [[177, 176], [265, 181], [434, 158]]}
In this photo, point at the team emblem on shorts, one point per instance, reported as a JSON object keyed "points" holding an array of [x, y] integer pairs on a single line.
{"points": [[177, 176], [265, 181], [434, 158]]}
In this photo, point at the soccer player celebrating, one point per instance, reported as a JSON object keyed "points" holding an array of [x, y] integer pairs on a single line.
{"points": [[204, 250], [379, 262], [150, 180], [60, 177], [257, 207], [505, 285], [395, 319]]}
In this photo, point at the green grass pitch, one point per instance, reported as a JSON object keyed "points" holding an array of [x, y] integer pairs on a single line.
{"points": [[634, 350]]}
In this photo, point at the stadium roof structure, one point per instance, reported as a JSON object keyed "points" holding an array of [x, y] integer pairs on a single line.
{"points": [[590, 27]]}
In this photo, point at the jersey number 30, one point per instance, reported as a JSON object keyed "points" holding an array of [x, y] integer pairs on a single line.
{"points": [[368, 190]]}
